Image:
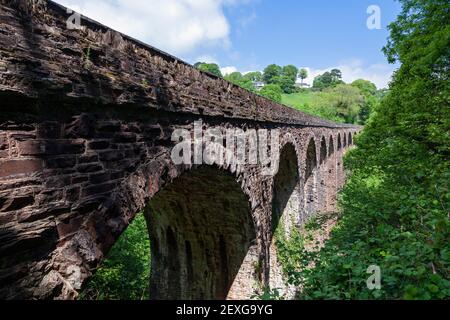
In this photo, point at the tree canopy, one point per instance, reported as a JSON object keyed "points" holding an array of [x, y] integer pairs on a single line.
{"points": [[328, 79], [271, 72], [212, 68], [272, 92]]}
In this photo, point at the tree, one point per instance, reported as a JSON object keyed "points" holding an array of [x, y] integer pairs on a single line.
{"points": [[254, 76], [234, 77], [270, 72], [212, 68], [344, 101], [303, 74], [286, 83], [369, 91], [272, 92], [291, 72], [336, 75], [328, 79], [240, 80], [367, 88]]}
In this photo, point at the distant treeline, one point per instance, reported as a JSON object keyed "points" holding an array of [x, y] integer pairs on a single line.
{"points": [[330, 97]]}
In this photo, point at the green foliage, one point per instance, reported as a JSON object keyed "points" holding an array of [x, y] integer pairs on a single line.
{"points": [[369, 91], [255, 76], [291, 253], [268, 294], [342, 103], [271, 72], [286, 84], [272, 92], [291, 72], [125, 273], [303, 74], [299, 99], [212, 68], [240, 80], [328, 79], [286, 79], [366, 87], [396, 201]]}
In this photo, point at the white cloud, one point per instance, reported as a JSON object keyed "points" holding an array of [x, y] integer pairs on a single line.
{"points": [[227, 70], [380, 74], [206, 58], [176, 26]]}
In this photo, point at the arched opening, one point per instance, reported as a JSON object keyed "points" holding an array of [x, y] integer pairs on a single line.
{"points": [[331, 179], [339, 142], [286, 204], [202, 234], [323, 176], [310, 186], [286, 195], [323, 150], [331, 146], [350, 139], [345, 140]]}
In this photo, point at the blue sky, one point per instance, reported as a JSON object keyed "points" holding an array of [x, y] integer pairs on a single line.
{"points": [[247, 35]]}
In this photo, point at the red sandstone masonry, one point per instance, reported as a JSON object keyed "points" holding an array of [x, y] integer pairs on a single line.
{"points": [[19, 167]]}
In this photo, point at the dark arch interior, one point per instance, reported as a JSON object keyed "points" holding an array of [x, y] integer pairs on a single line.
{"points": [[310, 180], [350, 139], [345, 140], [285, 183], [323, 151], [201, 230], [339, 142], [331, 147]]}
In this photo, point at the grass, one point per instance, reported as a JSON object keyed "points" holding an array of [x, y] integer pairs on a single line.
{"points": [[298, 100]]}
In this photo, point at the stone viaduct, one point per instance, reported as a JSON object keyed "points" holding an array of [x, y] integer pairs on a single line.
{"points": [[86, 123]]}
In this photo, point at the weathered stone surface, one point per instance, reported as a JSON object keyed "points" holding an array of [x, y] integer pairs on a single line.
{"points": [[83, 150], [11, 168]]}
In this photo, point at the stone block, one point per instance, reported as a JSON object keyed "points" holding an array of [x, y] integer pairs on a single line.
{"points": [[16, 167]]}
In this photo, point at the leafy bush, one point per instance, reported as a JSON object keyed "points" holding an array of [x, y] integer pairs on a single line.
{"points": [[272, 92], [125, 273]]}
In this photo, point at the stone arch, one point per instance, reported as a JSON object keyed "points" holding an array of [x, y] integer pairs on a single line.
{"points": [[339, 142], [286, 204], [345, 140], [350, 139], [330, 146], [310, 181], [202, 235], [286, 194], [323, 150], [323, 153], [331, 178]]}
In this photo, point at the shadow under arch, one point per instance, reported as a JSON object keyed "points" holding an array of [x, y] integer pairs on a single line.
{"points": [[286, 195], [323, 151], [321, 201], [331, 146], [310, 186], [345, 140], [339, 142], [331, 178], [201, 233], [350, 139]]}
